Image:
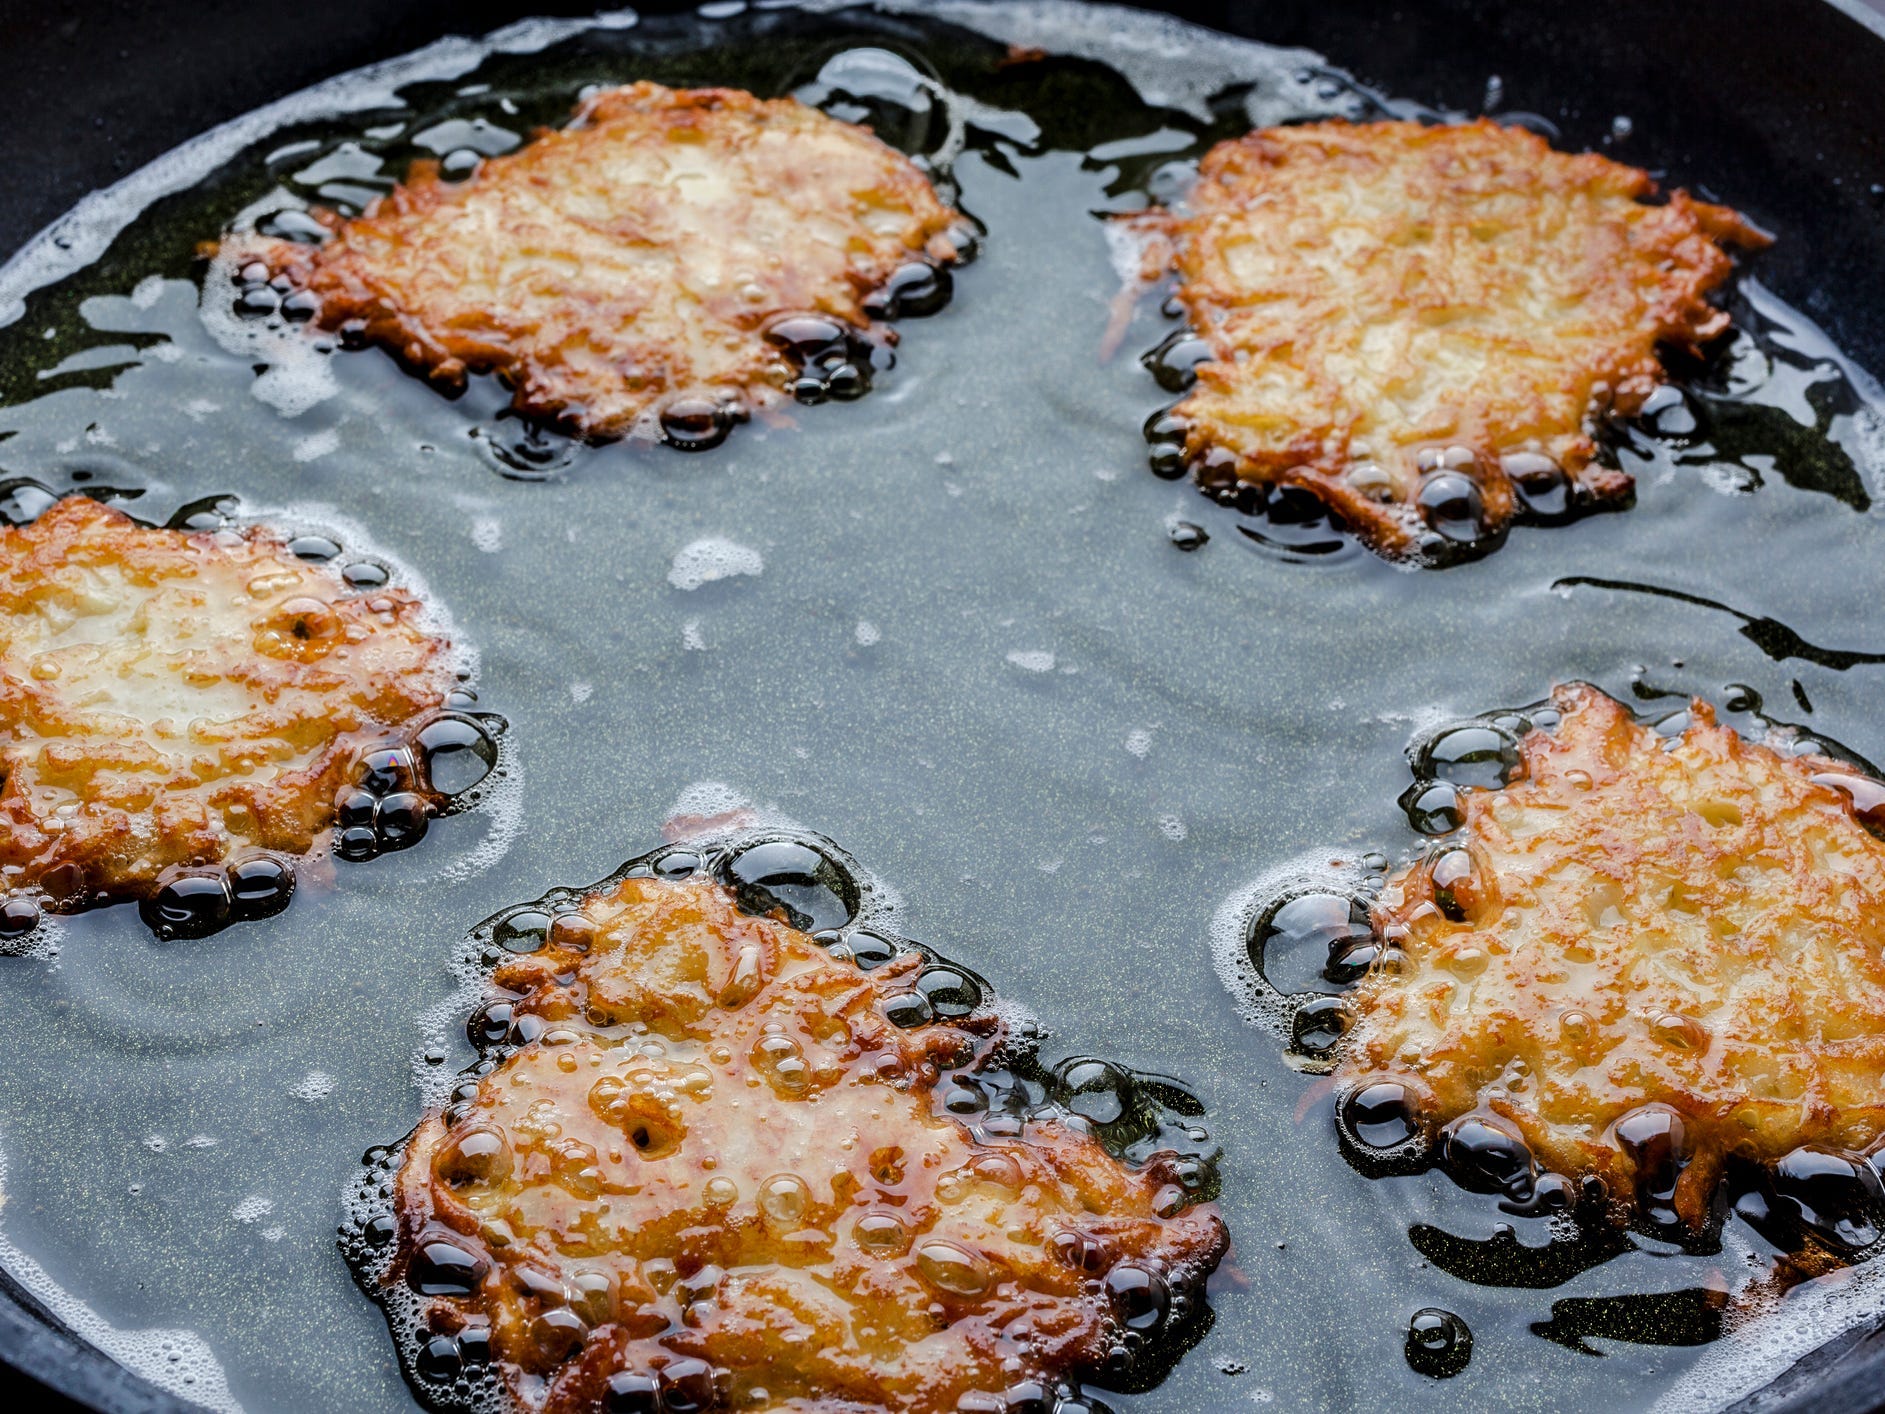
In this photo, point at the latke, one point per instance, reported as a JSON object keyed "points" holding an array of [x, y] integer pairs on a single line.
{"points": [[669, 261], [1644, 960], [1421, 325], [714, 1174], [172, 699]]}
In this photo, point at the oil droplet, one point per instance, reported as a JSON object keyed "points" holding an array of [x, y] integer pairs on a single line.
{"points": [[784, 1199], [1139, 1295], [881, 1235], [1381, 1115], [951, 1268], [1438, 1343]]}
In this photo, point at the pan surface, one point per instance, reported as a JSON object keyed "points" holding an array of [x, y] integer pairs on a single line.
{"points": [[960, 641]]}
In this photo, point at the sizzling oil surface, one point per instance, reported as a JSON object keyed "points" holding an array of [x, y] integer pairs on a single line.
{"points": [[949, 628]]}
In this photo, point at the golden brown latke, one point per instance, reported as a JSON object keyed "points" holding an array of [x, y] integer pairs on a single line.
{"points": [[1643, 957], [716, 1169], [177, 698], [1387, 301], [632, 262]]}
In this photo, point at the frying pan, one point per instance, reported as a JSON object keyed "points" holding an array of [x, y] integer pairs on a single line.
{"points": [[1780, 104]]}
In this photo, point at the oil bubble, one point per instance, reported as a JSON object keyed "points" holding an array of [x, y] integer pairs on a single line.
{"points": [[1141, 1300], [490, 1024], [881, 1234], [525, 448], [1835, 1196], [1187, 535], [1656, 1143], [18, 917], [696, 424], [1456, 886], [457, 751], [832, 360], [1293, 942], [356, 843], [401, 820], [260, 886], [679, 864], [1439, 1343], [869, 951], [385, 770], [188, 903], [907, 1009], [788, 877], [1486, 1157], [1451, 503], [1316, 1027], [438, 1360], [951, 993], [443, 1268], [1174, 363], [315, 548], [915, 290], [1380, 1115], [1433, 807], [1476, 754], [951, 1268], [474, 1156], [1543, 490], [524, 931], [1096, 1090], [1165, 438]]}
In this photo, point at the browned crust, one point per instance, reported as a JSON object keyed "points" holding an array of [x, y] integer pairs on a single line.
{"points": [[630, 261], [275, 677], [1375, 291], [607, 1166], [1701, 927]]}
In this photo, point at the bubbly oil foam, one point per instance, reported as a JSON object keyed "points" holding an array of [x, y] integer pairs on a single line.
{"points": [[178, 1362]]}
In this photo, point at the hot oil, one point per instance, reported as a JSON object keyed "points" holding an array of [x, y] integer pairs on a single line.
{"points": [[964, 641]]}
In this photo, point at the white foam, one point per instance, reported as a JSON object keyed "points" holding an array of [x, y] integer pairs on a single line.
{"points": [[712, 558], [867, 633], [1257, 1001], [298, 375], [706, 799], [179, 1362], [315, 1086], [316, 445], [1173, 828], [252, 1209], [1765, 1342], [1139, 742], [1032, 660], [501, 807], [487, 533]]}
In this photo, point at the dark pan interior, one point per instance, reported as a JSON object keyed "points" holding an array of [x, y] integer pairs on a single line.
{"points": [[1068, 833]]}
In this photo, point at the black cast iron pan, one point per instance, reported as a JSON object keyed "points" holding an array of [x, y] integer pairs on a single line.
{"points": [[1783, 99]]}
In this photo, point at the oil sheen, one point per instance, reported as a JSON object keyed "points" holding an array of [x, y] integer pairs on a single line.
{"points": [[956, 623]]}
